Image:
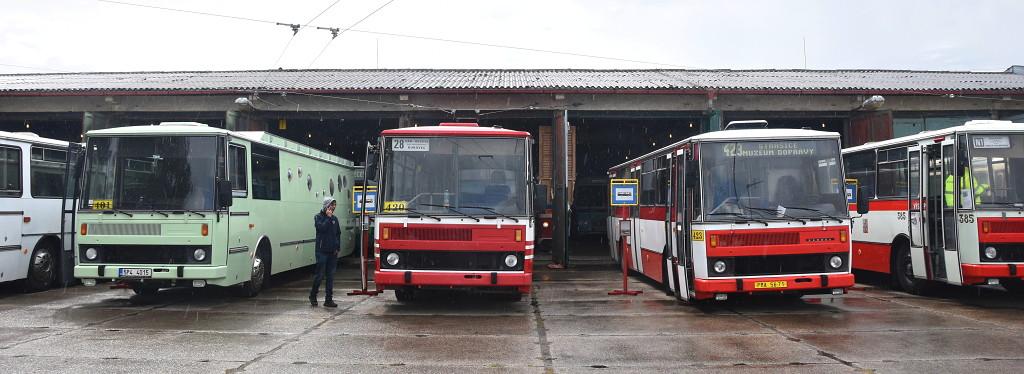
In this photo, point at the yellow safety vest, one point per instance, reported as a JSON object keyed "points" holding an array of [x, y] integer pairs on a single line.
{"points": [[951, 190]]}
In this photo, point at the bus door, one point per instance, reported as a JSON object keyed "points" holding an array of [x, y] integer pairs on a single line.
{"points": [[684, 197], [917, 210], [933, 211], [69, 202], [239, 234]]}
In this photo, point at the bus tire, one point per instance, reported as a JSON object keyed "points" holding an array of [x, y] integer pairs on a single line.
{"points": [[405, 294], [42, 268], [259, 275], [903, 271], [1012, 285]]}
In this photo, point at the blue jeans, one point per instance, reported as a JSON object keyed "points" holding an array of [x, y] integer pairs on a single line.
{"points": [[326, 264]]}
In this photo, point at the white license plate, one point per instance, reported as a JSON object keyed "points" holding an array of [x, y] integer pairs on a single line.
{"points": [[135, 273]]}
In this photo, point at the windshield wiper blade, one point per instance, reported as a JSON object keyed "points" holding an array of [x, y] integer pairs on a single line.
{"points": [[451, 209], [490, 210], [748, 218], [196, 213], [160, 213], [776, 211], [115, 211], [414, 211], [823, 214]]}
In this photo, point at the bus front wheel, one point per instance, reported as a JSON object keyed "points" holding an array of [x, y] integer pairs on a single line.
{"points": [[258, 277], [42, 269], [904, 272]]}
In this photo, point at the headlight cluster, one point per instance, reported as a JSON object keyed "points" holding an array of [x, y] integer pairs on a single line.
{"points": [[835, 262], [392, 259], [991, 253], [91, 254]]}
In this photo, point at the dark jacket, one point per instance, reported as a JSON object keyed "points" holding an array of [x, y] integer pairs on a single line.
{"points": [[328, 233]]}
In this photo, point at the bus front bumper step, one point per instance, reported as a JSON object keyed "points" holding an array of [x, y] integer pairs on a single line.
{"points": [[399, 278], [795, 283]]}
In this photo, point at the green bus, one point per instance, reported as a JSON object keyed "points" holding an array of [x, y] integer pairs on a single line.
{"points": [[183, 204]]}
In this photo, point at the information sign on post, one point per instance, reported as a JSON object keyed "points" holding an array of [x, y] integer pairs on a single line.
{"points": [[371, 199], [851, 191]]}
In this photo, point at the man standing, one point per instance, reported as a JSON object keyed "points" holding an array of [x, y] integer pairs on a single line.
{"points": [[328, 243]]}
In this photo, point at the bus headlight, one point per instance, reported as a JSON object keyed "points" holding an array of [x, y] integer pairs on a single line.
{"points": [[199, 254], [511, 261], [719, 266], [835, 262], [392, 259], [91, 254], [991, 253]]}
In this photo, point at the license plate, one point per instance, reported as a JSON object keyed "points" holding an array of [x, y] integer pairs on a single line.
{"points": [[772, 284], [135, 273]]}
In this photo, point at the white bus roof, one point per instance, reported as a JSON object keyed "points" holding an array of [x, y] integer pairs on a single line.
{"points": [[740, 135], [33, 138], [969, 126], [194, 128]]}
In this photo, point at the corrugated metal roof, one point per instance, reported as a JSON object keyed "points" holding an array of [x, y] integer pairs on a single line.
{"points": [[419, 80]]}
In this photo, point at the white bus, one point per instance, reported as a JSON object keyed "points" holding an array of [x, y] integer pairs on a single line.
{"points": [[946, 206], [32, 187]]}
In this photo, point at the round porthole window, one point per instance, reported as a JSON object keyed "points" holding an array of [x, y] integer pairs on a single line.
{"points": [[331, 186], [289, 174], [309, 182], [344, 181], [300, 171]]}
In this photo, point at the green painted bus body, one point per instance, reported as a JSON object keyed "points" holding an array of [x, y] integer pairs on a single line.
{"points": [[283, 227]]}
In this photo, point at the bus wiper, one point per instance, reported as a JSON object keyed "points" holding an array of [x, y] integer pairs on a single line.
{"points": [[451, 209], [776, 211], [196, 213], [420, 214], [748, 218], [1015, 205], [160, 213], [490, 210], [115, 211], [816, 211]]}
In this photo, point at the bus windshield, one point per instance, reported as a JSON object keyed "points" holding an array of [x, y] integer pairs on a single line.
{"points": [[151, 173], [772, 179], [445, 176], [997, 169]]}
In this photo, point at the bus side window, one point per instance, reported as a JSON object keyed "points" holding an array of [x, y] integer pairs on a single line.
{"points": [[266, 173], [10, 172], [892, 173], [693, 189], [861, 166], [46, 168], [239, 181]]}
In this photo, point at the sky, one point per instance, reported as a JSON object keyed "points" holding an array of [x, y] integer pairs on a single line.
{"points": [[39, 36]]}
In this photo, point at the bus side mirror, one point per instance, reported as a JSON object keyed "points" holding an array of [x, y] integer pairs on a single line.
{"points": [[862, 201], [540, 198], [224, 198]]}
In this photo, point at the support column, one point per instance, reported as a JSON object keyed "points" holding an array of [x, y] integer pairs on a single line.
{"points": [[713, 120], [560, 249]]}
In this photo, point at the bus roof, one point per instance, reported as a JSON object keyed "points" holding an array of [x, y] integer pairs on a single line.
{"points": [[193, 128], [741, 135], [969, 126], [33, 138], [456, 129]]}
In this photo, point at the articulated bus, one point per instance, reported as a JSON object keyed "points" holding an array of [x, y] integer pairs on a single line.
{"points": [[184, 204], [455, 210], [738, 211], [947, 206], [32, 188]]}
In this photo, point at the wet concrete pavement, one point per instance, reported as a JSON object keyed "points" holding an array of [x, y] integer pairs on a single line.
{"points": [[568, 324]]}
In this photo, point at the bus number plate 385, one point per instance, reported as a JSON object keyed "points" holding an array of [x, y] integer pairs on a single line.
{"points": [[771, 284]]}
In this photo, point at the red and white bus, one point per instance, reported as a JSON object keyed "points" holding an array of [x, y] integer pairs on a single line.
{"points": [[946, 206], [739, 211], [456, 210]]}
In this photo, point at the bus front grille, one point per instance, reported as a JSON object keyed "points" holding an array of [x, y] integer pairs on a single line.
{"points": [[430, 233], [124, 229]]}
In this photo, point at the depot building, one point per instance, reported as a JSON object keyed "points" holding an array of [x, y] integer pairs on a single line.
{"points": [[604, 116]]}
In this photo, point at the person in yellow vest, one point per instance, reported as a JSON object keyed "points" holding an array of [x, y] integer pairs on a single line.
{"points": [[965, 179]]}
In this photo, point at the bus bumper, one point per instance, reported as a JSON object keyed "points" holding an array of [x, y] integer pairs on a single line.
{"points": [[214, 275], [805, 284], [481, 279], [979, 274]]}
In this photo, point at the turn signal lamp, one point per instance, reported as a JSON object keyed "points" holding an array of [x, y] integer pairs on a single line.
{"points": [[385, 233], [842, 236], [84, 230], [986, 227], [205, 230], [519, 235], [713, 240]]}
